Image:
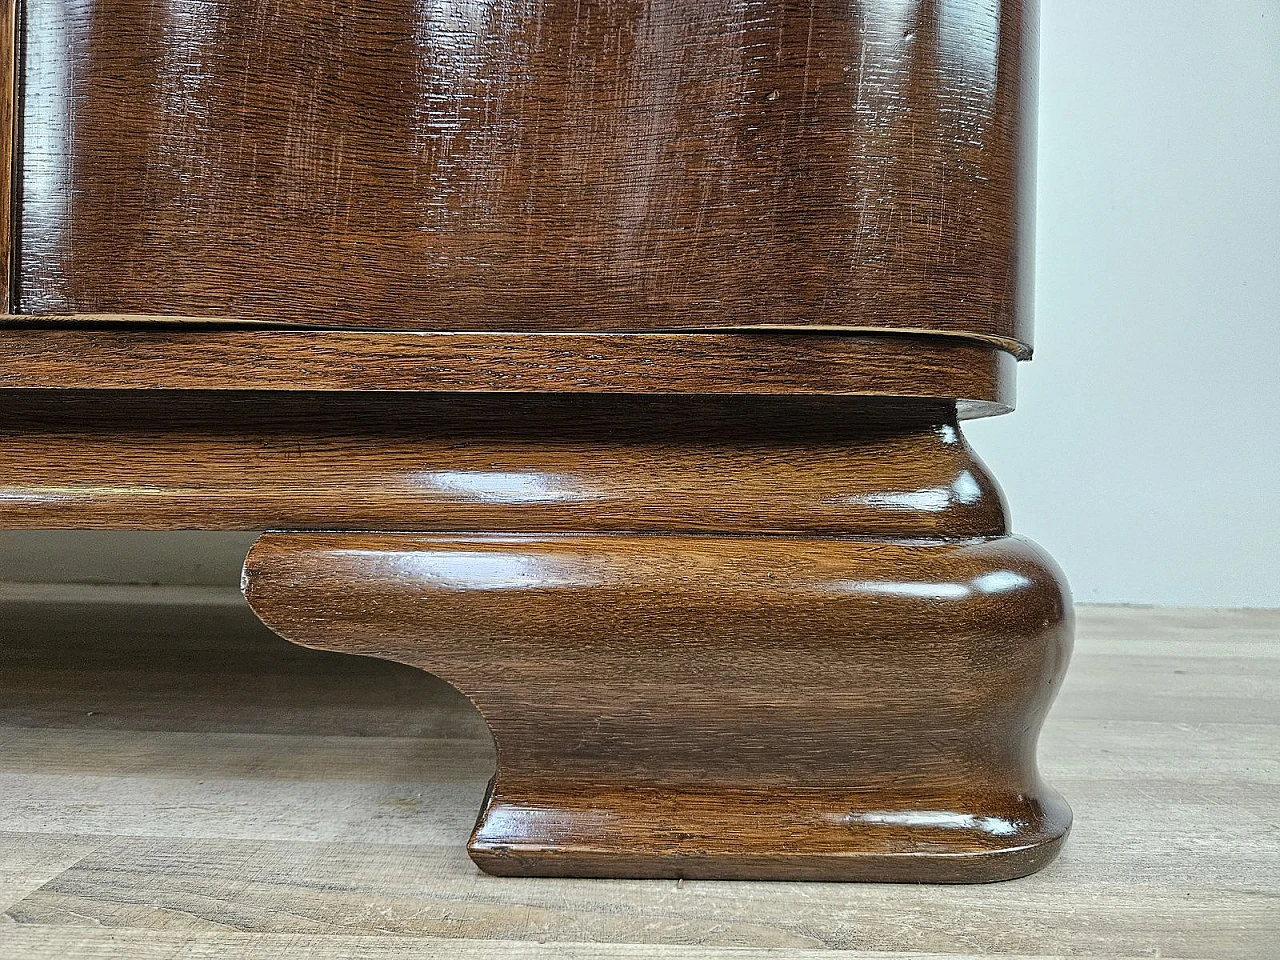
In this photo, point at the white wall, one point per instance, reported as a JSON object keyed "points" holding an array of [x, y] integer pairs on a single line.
{"points": [[1146, 452]]}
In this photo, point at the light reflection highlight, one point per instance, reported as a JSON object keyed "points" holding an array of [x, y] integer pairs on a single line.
{"points": [[940, 819], [500, 486], [969, 49], [39, 495], [185, 87], [478, 569], [1000, 581], [964, 490], [46, 146], [985, 585], [931, 500], [893, 588]]}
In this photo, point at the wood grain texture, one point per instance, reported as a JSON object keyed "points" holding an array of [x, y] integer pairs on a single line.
{"points": [[120, 356], [88, 459], [150, 745], [545, 165], [718, 707], [8, 134], [40, 943]]}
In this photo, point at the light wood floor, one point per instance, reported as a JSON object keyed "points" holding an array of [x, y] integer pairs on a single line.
{"points": [[176, 782]]}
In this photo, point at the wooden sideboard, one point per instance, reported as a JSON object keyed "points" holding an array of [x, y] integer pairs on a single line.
{"points": [[605, 358]]}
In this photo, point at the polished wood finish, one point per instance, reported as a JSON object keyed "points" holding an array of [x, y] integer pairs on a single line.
{"points": [[8, 134], [91, 459], [611, 579], [712, 557], [553, 165], [718, 707], [214, 357], [907, 656]]}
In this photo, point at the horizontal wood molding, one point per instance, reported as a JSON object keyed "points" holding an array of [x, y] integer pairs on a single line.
{"points": [[212, 357], [111, 460]]}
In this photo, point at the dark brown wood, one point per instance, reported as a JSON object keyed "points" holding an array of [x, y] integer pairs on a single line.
{"points": [[8, 131], [712, 557], [121, 356], [394, 462], [713, 637], [718, 707], [673, 693], [554, 165]]}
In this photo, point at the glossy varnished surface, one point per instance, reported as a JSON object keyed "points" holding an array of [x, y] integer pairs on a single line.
{"points": [[677, 552], [262, 461], [128, 355], [616, 165], [762, 637], [8, 137], [763, 707]]}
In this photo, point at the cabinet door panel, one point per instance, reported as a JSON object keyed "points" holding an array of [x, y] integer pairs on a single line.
{"points": [[525, 164]]}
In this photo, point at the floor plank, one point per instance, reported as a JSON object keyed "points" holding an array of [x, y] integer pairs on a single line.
{"points": [[30, 860], [177, 782], [45, 943]]}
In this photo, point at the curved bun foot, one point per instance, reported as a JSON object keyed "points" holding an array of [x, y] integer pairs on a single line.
{"points": [[767, 707]]}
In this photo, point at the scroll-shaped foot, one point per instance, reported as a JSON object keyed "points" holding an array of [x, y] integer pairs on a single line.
{"points": [[708, 706]]}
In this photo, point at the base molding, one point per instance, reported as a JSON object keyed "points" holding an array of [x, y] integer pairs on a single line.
{"points": [[80, 352]]}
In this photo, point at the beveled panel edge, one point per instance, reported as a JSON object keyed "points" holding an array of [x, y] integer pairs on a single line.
{"points": [[8, 137], [1020, 350], [979, 377], [1023, 251]]}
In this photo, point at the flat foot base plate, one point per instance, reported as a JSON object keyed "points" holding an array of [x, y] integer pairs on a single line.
{"points": [[732, 835]]}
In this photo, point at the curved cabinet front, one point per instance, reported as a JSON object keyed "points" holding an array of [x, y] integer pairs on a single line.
{"points": [[537, 165]]}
